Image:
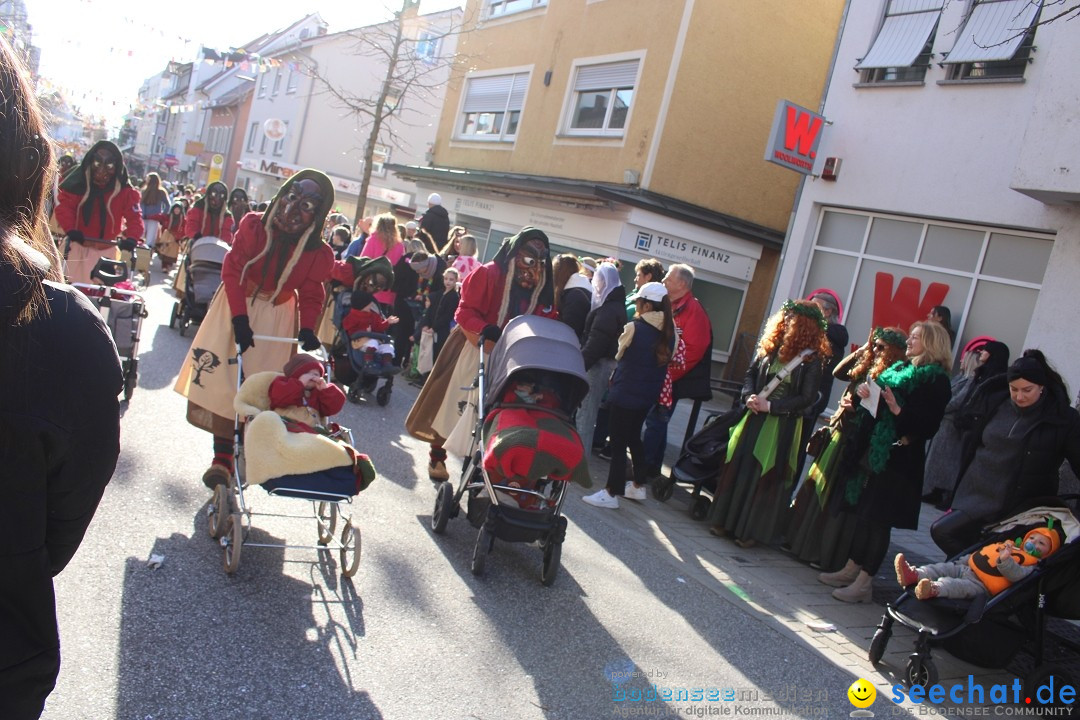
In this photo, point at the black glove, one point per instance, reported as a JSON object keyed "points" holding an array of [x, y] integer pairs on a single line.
{"points": [[128, 244], [491, 332], [76, 236], [307, 339], [245, 338]]}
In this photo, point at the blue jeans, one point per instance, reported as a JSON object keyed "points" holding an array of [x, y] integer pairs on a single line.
{"points": [[599, 374], [655, 437]]}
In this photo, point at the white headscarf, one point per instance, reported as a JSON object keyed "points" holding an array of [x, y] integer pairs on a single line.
{"points": [[605, 279]]}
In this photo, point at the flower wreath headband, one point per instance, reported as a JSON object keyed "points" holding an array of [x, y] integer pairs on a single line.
{"points": [[890, 336], [808, 309]]}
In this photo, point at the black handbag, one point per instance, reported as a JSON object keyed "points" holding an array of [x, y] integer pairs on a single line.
{"points": [[818, 440]]}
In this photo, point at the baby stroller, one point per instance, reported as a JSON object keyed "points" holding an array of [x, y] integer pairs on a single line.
{"points": [[123, 311], [350, 369], [699, 462], [321, 477], [202, 277], [545, 354], [989, 630]]}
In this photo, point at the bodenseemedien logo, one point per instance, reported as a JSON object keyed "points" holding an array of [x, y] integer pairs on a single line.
{"points": [[1000, 699]]}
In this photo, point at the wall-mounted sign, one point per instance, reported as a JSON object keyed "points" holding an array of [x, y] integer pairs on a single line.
{"points": [[275, 129], [711, 258], [193, 147], [217, 164], [794, 139]]}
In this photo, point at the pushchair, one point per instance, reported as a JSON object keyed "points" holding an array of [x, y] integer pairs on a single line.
{"points": [[202, 276], [990, 631], [323, 475], [123, 311], [348, 357], [699, 462], [523, 506]]}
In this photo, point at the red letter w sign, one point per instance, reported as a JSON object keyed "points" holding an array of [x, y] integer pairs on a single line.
{"points": [[794, 139]]}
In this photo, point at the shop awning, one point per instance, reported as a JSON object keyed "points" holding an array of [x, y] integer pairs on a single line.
{"points": [[907, 27], [994, 31]]}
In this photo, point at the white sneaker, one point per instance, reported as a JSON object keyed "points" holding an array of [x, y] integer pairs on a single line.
{"points": [[634, 493], [602, 499]]}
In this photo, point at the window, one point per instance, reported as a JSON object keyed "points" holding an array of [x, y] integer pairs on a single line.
{"points": [[902, 49], [262, 145], [294, 80], [264, 80], [492, 108], [498, 8], [996, 41], [277, 83], [379, 158], [279, 145], [427, 46], [601, 100], [253, 133]]}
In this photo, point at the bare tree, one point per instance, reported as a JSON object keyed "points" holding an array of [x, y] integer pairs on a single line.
{"points": [[412, 73]]}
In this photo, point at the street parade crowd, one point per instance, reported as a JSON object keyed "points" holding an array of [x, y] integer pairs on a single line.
{"points": [[980, 442]]}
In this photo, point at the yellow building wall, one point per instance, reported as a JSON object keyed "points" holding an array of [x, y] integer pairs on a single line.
{"points": [[740, 59], [552, 40]]}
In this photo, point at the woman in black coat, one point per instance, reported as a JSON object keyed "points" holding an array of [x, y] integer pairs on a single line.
{"points": [[1021, 421], [59, 415], [603, 325], [573, 293], [913, 399]]}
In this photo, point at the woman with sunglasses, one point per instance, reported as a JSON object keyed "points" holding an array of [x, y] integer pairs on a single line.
{"points": [[274, 273]]}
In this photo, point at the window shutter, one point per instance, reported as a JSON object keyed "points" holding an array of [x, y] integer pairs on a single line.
{"points": [[606, 76], [488, 94], [994, 31]]}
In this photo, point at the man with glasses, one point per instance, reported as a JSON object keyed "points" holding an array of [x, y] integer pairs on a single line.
{"points": [[517, 281]]}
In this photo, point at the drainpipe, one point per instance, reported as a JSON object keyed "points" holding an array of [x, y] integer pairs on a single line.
{"points": [[804, 258]]}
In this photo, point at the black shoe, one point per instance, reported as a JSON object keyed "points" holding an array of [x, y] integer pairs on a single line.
{"points": [[933, 497], [604, 453]]}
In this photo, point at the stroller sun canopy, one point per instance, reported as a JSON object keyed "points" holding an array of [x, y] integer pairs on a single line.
{"points": [[208, 249], [530, 342]]}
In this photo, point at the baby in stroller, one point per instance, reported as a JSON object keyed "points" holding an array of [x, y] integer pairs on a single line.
{"points": [[989, 570], [303, 397]]}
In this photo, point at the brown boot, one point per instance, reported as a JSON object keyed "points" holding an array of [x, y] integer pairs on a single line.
{"points": [[437, 471], [842, 577], [858, 591]]}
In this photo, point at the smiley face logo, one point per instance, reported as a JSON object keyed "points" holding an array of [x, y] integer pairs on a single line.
{"points": [[861, 693]]}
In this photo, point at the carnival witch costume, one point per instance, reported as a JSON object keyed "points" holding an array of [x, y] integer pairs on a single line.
{"points": [[753, 492]]}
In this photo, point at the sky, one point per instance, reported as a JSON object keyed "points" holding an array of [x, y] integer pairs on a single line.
{"points": [[98, 52]]}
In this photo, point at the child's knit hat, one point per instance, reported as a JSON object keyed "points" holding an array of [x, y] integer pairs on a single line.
{"points": [[1055, 535], [302, 363]]}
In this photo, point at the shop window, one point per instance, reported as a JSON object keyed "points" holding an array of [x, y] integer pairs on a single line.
{"points": [[1017, 258], [954, 248], [842, 231], [896, 239]]}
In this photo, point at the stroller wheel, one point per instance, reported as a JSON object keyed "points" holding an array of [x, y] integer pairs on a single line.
{"points": [[232, 541], [920, 670], [1051, 674], [350, 550], [700, 507], [662, 488], [217, 512], [131, 377], [383, 395], [484, 541], [326, 514], [550, 568], [878, 644], [444, 502], [175, 312]]}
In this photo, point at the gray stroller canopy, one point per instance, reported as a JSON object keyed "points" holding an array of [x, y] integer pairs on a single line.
{"points": [[208, 249], [531, 342]]}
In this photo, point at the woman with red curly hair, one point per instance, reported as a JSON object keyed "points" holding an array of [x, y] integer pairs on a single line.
{"points": [[819, 532], [754, 488]]}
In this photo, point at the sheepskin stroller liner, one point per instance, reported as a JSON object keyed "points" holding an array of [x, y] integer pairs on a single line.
{"points": [[327, 494], [699, 463], [991, 631], [536, 350], [123, 312], [202, 265], [348, 362]]}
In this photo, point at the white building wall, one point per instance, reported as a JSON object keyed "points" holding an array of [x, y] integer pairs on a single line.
{"points": [[955, 152]]}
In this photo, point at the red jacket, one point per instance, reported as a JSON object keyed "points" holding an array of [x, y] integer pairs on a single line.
{"points": [[126, 220], [289, 392], [692, 320], [358, 321], [482, 298], [306, 278], [193, 225]]}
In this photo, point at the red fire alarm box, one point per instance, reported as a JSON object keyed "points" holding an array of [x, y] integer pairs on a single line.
{"points": [[831, 169]]}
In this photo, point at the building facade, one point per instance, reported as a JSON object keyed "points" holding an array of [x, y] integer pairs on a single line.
{"points": [[634, 129], [955, 175]]}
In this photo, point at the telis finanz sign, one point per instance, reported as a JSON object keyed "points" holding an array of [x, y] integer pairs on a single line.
{"points": [[794, 139], [712, 258]]}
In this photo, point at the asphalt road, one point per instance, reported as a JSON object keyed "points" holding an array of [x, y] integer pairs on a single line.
{"points": [[414, 634]]}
